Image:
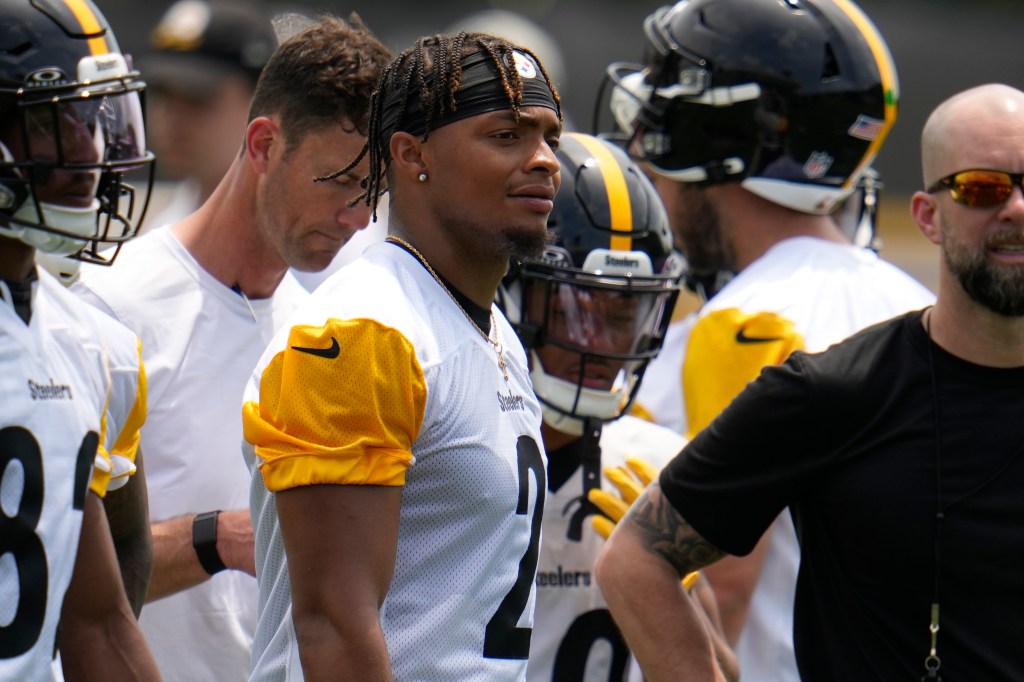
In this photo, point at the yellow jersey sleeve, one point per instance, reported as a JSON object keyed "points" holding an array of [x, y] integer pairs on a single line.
{"points": [[726, 350], [127, 443], [342, 403]]}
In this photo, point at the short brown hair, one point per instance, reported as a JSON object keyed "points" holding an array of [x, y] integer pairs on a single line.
{"points": [[320, 76]]}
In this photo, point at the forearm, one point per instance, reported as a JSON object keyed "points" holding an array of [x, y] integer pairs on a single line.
{"points": [[660, 623], [99, 636], [704, 597], [113, 650], [128, 516], [351, 647], [176, 566]]}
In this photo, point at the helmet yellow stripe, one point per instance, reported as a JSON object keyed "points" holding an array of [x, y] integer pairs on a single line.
{"points": [[887, 71], [83, 11], [618, 191]]}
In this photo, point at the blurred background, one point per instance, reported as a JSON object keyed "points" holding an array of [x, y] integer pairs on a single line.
{"points": [[939, 46]]}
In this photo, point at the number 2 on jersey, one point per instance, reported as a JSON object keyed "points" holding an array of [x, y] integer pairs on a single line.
{"points": [[503, 638]]}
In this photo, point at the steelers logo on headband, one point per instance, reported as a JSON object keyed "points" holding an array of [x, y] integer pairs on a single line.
{"points": [[524, 65]]}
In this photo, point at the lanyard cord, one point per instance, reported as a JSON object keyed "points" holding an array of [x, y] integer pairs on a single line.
{"points": [[932, 663]]}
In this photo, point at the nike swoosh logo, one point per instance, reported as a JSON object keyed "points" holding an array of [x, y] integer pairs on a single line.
{"points": [[330, 353], [741, 337]]}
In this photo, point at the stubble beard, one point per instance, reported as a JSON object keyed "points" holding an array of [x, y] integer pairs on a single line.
{"points": [[1000, 288], [700, 235], [526, 243]]}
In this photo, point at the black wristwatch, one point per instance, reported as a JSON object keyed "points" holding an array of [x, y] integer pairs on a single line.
{"points": [[204, 541]]}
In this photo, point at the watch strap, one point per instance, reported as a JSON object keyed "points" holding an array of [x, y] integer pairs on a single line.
{"points": [[204, 541]]}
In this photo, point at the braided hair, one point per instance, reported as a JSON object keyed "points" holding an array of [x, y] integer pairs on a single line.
{"points": [[429, 74]]}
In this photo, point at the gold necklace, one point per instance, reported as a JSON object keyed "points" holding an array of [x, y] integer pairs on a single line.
{"points": [[498, 349]]}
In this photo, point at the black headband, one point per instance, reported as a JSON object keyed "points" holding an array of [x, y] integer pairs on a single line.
{"points": [[480, 91]]}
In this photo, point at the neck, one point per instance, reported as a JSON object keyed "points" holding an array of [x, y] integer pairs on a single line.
{"points": [[976, 334], [752, 225], [476, 278], [223, 236], [555, 439], [16, 259]]}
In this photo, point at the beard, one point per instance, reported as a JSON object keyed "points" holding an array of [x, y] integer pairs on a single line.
{"points": [[698, 230], [998, 287], [523, 244]]}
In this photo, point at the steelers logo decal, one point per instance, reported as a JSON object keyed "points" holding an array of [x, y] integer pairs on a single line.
{"points": [[524, 65]]}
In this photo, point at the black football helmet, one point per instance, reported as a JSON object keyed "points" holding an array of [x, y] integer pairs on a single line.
{"points": [[792, 98], [603, 291], [71, 131]]}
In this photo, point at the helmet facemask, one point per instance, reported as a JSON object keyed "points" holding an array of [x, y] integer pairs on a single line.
{"points": [[592, 337], [68, 151]]}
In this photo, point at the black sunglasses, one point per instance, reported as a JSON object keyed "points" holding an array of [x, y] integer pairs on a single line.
{"points": [[979, 187]]}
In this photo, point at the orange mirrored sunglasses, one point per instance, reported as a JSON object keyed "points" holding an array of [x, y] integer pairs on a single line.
{"points": [[979, 187]]}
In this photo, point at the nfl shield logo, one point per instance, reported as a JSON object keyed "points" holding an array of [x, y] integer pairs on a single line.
{"points": [[818, 164]]}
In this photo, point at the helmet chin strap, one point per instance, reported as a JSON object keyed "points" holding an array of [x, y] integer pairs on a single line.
{"points": [[561, 421], [78, 221], [590, 463], [558, 397]]}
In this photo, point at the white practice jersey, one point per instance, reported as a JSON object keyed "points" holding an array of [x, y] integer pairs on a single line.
{"points": [[574, 637], [54, 386], [382, 380], [803, 294]]}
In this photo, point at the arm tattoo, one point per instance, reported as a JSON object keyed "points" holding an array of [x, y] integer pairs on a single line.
{"points": [[665, 532]]}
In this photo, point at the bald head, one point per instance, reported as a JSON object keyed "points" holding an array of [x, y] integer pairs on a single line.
{"points": [[976, 128]]}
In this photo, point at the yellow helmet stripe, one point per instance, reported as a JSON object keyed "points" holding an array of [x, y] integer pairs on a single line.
{"points": [[618, 191], [83, 11], [887, 71]]}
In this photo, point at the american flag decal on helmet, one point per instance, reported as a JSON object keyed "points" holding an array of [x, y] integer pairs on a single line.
{"points": [[865, 128]]}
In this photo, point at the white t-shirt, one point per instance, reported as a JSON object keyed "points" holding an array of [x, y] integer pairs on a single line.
{"points": [[804, 293], [572, 624], [54, 386], [200, 341], [463, 443]]}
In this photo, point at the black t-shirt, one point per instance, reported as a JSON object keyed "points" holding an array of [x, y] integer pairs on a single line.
{"points": [[847, 439]]}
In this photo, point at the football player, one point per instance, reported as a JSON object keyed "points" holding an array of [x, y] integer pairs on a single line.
{"points": [[591, 312], [756, 119], [394, 435], [70, 133], [128, 507]]}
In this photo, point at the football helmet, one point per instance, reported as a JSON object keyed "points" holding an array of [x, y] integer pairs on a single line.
{"points": [[792, 98], [593, 308], [71, 131]]}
